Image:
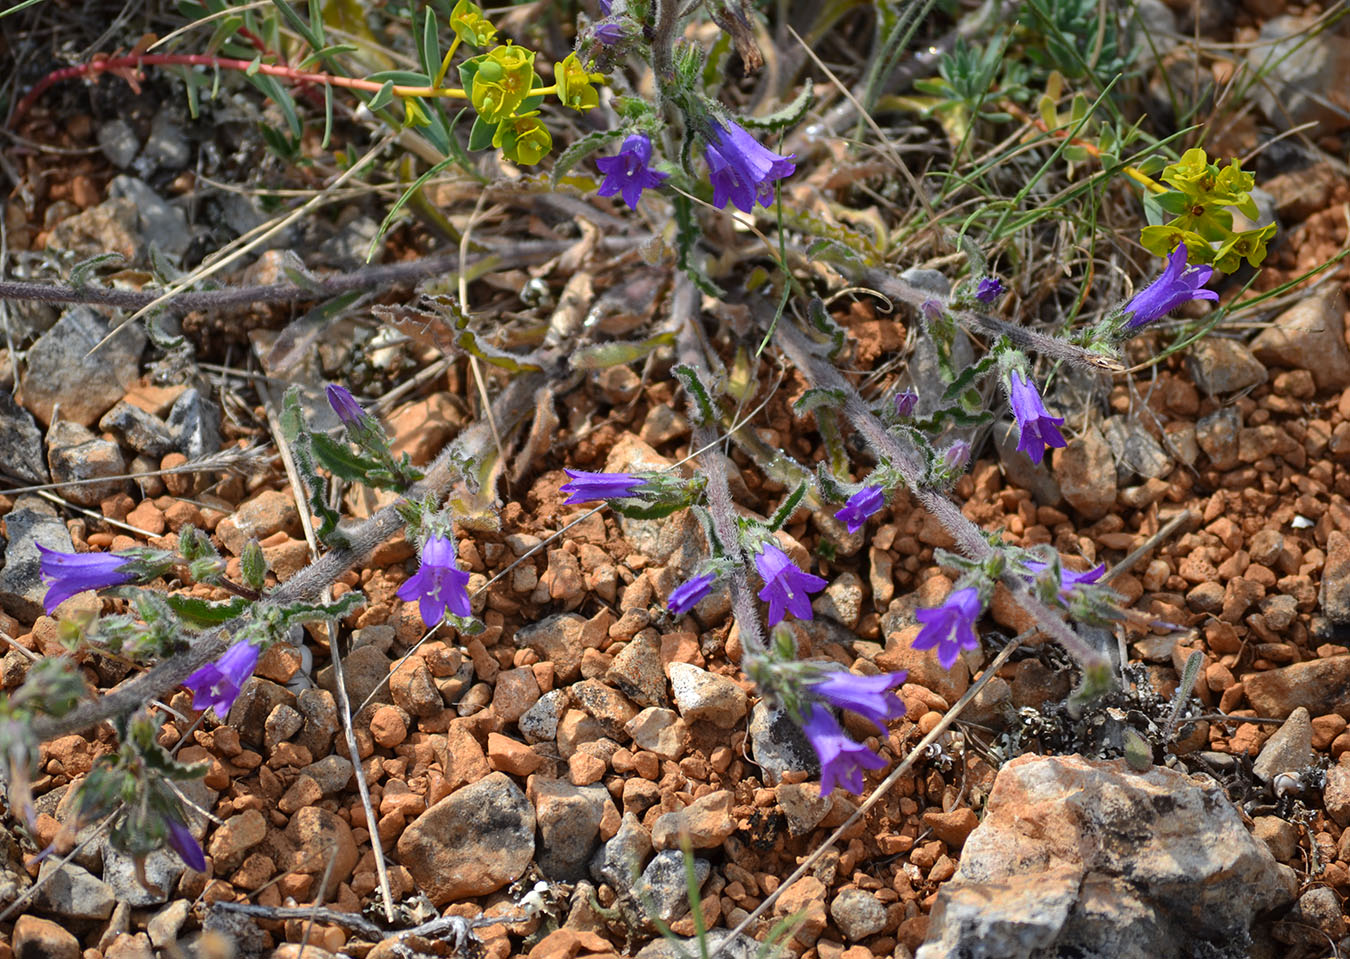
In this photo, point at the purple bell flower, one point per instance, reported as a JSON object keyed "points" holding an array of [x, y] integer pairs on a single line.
{"points": [[989, 289], [690, 593], [951, 626], [842, 758], [628, 172], [860, 506], [1178, 284], [957, 455], [785, 586], [611, 33], [216, 685], [905, 401], [588, 487], [344, 405], [741, 169], [189, 850], [1039, 430], [438, 584], [1068, 578], [69, 573], [606, 7], [864, 695]]}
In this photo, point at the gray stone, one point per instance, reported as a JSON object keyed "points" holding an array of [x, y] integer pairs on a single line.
{"points": [[1221, 366], [194, 424], [165, 925], [32, 521], [161, 223], [1302, 71], [321, 721], [1019, 468], [719, 941], [67, 366], [118, 142], [141, 431], [569, 825], [803, 805], [473, 842], [662, 425], [539, 723], [162, 868], [332, 773], [166, 146], [283, 722], [1075, 857], [90, 469], [620, 860], [661, 731], [701, 695], [557, 639], [636, 671], [73, 892], [365, 671], [662, 891], [1288, 750], [779, 745], [257, 698], [1135, 450], [858, 914], [842, 599], [1217, 434], [1316, 919], [347, 248], [1310, 335], [20, 443]]}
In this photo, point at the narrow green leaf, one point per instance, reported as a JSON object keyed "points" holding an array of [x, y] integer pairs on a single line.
{"points": [[788, 507], [480, 135], [298, 24], [430, 45], [581, 149], [340, 460], [703, 409], [603, 355], [789, 115], [382, 98], [203, 612]]}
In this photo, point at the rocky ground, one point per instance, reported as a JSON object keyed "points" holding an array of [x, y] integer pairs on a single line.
{"points": [[572, 744]]}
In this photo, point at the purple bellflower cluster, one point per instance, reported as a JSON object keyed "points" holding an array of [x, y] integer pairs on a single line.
{"points": [[189, 850], [690, 593], [741, 169], [1068, 578], [216, 685], [438, 585], [860, 506], [951, 626], [786, 587], [989, 289], [1178, 284], [842, 758], [588, 487], [67, 574], [1039, 430], [628, 172]]}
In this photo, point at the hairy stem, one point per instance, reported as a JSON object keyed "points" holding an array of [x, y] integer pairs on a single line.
{"points": [[969, 538], [684, 308]]}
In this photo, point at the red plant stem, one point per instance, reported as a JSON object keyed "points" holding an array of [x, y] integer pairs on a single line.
{"points": [[129, 62]]}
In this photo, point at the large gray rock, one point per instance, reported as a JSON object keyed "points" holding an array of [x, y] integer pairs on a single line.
{"points": [[1076, 857], [68, 366], [1310, 335], [569, 825], [20, 443], [91, 468], [32, 521], [778, 744], [1222, 366], [1302, 70], [473, 842], [160, 222]]}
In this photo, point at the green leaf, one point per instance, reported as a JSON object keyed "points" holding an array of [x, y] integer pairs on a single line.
{"points": [[253, 566], [581, 149], [819, 397], [604, 355], [969, 376], [206, 613], [297, 613], [703, 409], [481, 134], [820, 318], [789, 115], [82, 272], [637, 510], [401, 201], [686, 238], [278, 94], [430, 45], [298, 24], [340, 460], [788, 507], [382, 98], [403, 78]]}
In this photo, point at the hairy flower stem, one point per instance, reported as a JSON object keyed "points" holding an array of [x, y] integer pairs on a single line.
{"points": [[897, 289], [663, 41], [684, 307], [314, 288], [969, 538], [305, 586]]}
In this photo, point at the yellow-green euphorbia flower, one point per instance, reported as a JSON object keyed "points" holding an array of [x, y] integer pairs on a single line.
{"points": [[470, 25], [502, 82], [523, 139], [575, 84]]}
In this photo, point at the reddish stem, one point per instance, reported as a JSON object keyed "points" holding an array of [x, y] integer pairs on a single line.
{"points": [[124, 65]]}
